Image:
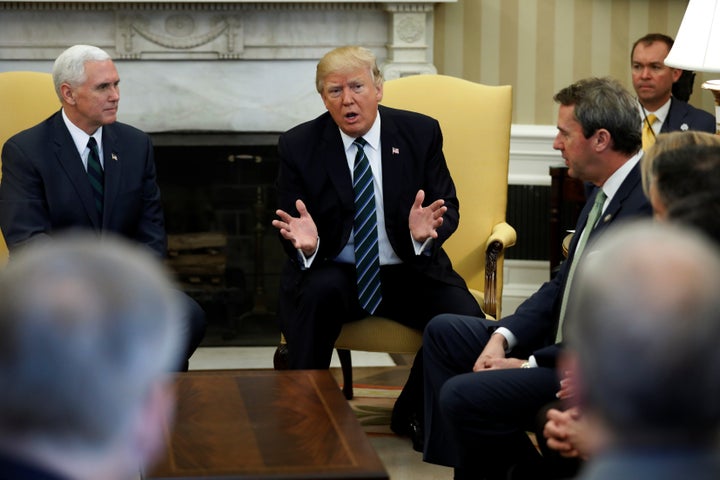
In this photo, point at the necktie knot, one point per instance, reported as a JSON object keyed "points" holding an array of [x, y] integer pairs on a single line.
{"points": [[359, 142], [597, 209], [648, 134], [96, 175]]}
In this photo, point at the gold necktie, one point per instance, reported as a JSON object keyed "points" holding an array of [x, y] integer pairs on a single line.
{"points": [[648, 136]]}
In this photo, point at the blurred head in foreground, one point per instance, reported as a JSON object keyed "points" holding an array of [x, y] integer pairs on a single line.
{"points": [[644, 329], [89, 331]]}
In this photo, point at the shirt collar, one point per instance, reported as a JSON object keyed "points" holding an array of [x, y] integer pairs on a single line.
{"points": [[80, 138], [612, 184], [661, 113]]}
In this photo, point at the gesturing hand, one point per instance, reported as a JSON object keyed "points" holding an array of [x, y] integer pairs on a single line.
{"points": [[300, 231], [424, 221]]}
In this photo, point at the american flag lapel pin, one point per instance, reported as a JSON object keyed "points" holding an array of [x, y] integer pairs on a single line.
{"points": [[113, 156], [395, 151]]}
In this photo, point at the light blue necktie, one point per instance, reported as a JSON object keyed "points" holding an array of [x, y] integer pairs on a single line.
{"points": [[367, 258], [589, 225]]}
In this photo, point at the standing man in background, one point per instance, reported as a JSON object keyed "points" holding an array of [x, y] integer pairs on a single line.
{"points": [[653, 83], [82, 169]]}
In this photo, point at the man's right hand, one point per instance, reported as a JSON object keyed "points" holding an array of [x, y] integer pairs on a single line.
{"points": [[493, 355], [300, 231]]}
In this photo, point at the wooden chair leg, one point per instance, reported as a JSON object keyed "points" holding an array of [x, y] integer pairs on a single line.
{"points": [[346, 365], [280, 359]]}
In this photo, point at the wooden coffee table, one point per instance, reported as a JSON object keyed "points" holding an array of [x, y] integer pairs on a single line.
{"points": [[255, 424]]}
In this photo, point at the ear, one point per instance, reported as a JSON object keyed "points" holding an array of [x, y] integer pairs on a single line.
{"points": [[154, 423], [602, 139], [676, 73], [67, 94], [379, 93]]}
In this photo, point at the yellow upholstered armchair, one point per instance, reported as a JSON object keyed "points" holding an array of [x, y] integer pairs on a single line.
{"points": [[475, 121], [26, 98]]}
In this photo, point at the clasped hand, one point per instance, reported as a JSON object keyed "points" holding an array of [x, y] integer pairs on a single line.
{"points": [[493, 356]]}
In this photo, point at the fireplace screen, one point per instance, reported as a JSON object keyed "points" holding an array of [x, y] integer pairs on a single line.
{"points": [[218, 203]]}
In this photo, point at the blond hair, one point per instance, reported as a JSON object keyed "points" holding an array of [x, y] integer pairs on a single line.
{"points": [[670, 141], [344, 59]]}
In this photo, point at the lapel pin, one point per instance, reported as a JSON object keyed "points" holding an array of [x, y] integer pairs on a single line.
{"points": [[607, 218], [395, 151], [684, 127], [113, 156]]}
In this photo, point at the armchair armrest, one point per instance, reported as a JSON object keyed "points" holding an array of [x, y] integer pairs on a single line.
{"points": [[503, 236]]}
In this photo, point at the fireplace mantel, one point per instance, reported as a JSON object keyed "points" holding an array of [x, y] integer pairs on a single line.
{"points": [[229, 66]]}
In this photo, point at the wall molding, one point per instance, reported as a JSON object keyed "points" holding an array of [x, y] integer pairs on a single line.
{"points": [[522, 278], [531, 154]]}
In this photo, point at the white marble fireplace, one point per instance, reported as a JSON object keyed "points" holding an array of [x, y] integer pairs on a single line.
{"points": [[233, 66]]}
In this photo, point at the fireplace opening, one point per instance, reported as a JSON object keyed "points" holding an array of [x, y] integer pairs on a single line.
{"points": [[218, 197]]}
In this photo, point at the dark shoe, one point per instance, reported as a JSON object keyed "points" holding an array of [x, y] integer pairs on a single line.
{"points": [[409, 425]]}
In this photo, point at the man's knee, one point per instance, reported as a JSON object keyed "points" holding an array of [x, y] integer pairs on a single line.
{"points": [[438, 326], [453, 400]]}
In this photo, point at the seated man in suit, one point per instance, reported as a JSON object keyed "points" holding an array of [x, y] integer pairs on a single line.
{"points": [[653, 82], [81, 169], [485, 381], [414, 208], [681, 174], [90, 332], [651, 390]]}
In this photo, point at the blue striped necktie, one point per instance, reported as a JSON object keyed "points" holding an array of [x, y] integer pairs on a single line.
{"points": [[367, 259], [96, 175]]}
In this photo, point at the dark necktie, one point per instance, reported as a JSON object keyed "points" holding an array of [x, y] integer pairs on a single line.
{"points": [[589, 225], [96, 175], [367, 259]]}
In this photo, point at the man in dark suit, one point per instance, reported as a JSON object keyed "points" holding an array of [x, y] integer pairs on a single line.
{"points": [[653, 83], [416, 211], [485, 381], [47, 186]]}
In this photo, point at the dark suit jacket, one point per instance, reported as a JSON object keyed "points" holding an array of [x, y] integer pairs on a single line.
{"points": [[535, 321], [313, 169], [45, 188], [15, 469], [683, 116]]}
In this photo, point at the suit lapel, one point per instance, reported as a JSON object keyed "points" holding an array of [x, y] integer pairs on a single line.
{"points": [[113, 165], [70, 161], [676, 114], [626, 188], [332, 153], [392, 160], [613, 208]]}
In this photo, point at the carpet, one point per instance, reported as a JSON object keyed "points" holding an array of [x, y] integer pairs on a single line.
{"points": [[373, 405]]}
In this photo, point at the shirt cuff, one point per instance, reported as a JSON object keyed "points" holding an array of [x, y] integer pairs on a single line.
{"points": [[509, 337], [420, 248], [305, 262]]}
